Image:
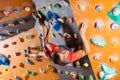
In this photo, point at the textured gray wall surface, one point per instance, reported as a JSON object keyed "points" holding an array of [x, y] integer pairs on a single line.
{"points": [[72, 42], [66, 27]]}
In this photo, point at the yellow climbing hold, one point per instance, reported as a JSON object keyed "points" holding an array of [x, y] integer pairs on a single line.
{"points": [[81, 7]]}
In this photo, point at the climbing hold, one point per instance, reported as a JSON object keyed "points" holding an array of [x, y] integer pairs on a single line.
{"points": [[25, 76], [67, 73], [21, 65], [116, 11], [66, 35], [38, 59], [59, 71], [11, 24], [114, 26], [61, 35], [22, 22], [113, 58], [107, 72], [0, 72], [114, 43], [33, 74], [21, 39], [5, 69], [98, 42], [91, 77], [70, 20], [5, 46], [53, 35], [74, 75], [77, 63], [4, 60], [14, 43], [57, 6], [98, 8], [16, 77], [29, 62], [69, 65], [8, 56], [42, 70], [75, 35], [27, 8], [98, 24], [61, 20], [10, 79], [17, 53], [28, 72], [86, 64], [101, 74], [81, 7], [50, 6], [96, 57], [82, 77], [43, 9], [13, 67], [52, 17], [63, 3], [16, 10], [29, 36], [6, 12]]}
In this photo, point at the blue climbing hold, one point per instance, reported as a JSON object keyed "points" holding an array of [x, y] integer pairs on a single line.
{"points": [[4, 60], [29, 62], [53, 18], [51, 15], [16, 77], [16, 10]]}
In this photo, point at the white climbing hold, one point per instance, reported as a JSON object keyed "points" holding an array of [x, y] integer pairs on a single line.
{"points": [[116, 11], [101, 74], [114, 26]]}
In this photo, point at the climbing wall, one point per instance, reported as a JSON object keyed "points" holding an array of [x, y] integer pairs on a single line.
{"points": [[63, 9], [13, 46], [103, 26], [14, 18]]}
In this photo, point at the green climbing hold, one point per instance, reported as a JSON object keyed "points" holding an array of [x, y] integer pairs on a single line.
{"points": [[91, 77], [33, 73], [98, 42], [6, 69], [57, 6], [28, 72], [82, 77], [108, 72], [114, 13]]}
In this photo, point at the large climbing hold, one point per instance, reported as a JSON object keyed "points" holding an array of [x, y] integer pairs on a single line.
{"points": [[4, 60], [53, 18], [98, 42], [106, 72], [114, 13]]}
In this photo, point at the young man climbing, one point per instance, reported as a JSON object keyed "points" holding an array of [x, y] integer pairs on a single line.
{"points": [[53, 51]]}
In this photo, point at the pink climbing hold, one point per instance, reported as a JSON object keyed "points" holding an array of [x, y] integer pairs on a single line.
{"points": [[70, 20]]}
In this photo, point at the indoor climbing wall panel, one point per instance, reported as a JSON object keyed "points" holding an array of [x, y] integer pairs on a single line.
{"points": [[102, 19], [15, 18], [69, 27], [21, 67]]}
